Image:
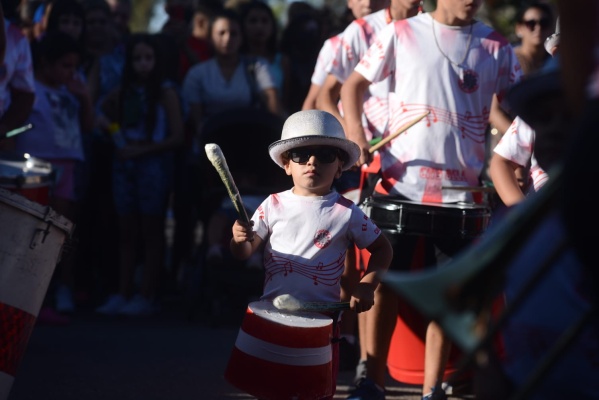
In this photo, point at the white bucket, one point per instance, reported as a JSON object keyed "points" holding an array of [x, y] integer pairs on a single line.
{"points": [[31, 242]]}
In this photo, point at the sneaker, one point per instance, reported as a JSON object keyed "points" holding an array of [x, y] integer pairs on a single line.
{"points": [[113, 305], [435, 395], [64, 300], [360, 372], [138, 306], [366, 389]]}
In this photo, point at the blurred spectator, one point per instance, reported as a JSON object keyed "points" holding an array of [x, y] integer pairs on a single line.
{"points": [[121, 15], [61, 115], [16, 76], [534, 23], [187, 188], [145, 110], [223, 82], [261, 39]]}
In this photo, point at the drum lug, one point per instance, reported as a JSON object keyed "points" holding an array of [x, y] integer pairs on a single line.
{"points": [[38, 231], [43, 232]]}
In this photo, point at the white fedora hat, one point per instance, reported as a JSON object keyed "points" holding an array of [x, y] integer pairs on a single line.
{"points": [[313, 128]]}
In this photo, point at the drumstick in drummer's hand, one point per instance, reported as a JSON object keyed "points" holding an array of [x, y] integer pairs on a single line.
{"points": [[217, 158], [396, 134], [17, 131], [289, 303]]}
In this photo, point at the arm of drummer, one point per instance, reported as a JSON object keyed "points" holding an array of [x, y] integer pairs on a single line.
{"points": [[352, 94], [498, 117], [244, 242], [381, 254], [328, 98], [504, 176]]}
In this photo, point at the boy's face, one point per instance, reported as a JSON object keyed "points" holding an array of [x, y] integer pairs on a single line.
{"points": [[313, 169]]}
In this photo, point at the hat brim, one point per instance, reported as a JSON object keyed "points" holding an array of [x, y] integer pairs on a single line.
{"points": [[279, 147]]}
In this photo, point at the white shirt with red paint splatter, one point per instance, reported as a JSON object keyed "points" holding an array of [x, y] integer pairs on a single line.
{"points": [[517, 146], [355, 41], [327, 51], [305, 243], [447, 148]]}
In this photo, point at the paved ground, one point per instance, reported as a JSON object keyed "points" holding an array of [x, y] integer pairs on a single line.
{"points": [[167, 356]]}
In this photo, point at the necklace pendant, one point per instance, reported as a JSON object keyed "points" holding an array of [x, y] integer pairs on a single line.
{"points": [[467, 79]]}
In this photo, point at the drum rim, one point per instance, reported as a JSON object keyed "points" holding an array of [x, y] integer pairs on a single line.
{"points": [[396, 205], [41, 212], [264, 307]]}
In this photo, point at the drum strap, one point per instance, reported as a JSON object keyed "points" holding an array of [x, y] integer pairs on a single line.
{"points": [[335, 316]]}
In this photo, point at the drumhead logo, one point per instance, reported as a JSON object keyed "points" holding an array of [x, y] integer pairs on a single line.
{"points": [[468, 81], [322, 239]]}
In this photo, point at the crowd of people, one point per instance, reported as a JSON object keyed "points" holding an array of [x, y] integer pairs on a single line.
{"points": [[120, 116], [123, 116]]}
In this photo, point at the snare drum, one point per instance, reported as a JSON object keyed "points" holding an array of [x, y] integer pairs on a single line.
{"points": [[398, 216], [28, 176], [31, 244], [280, 355]]}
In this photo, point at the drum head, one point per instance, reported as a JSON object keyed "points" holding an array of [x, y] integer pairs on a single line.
{"points": [[300, 319]]}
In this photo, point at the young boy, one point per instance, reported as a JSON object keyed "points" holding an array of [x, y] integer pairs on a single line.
{"points": [[305, 231]]}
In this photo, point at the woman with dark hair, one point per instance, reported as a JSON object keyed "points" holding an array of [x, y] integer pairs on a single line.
{"points": [[145, 111], [261, 39], [534, 24]]}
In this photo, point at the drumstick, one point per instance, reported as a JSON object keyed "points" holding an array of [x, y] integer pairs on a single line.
{"points": [[289, 303], [217, 158], [16, 131], [396, 134]]}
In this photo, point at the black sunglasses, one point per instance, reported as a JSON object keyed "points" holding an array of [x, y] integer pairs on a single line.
{"points": [[544, 23], [325, 155]]}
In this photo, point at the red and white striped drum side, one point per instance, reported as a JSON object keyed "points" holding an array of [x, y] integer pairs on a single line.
{"points": [[280, 355], [31, 242]]}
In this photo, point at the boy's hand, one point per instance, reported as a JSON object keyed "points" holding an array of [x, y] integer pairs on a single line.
{"points": [[363, 297], [242, 231]]}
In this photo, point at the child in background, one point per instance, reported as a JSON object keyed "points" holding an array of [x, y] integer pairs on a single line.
{"points": [[62, 112], [146, 113], [259, 26], [310, 225]]}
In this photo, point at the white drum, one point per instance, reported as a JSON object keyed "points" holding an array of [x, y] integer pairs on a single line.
{"points": [[32, 239]]}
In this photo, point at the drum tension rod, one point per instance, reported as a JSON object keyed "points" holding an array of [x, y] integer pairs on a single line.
{"points": [[44, 232]]}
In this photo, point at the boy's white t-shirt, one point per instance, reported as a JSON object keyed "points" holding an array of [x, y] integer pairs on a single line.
{"points": [[517, 146], [306, 239], [447, 148]]}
